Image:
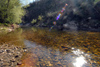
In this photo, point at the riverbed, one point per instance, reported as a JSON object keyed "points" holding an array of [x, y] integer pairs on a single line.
{"points": [[56, 48]]}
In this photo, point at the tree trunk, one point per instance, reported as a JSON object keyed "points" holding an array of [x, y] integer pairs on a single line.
{"points": [[7, 10]]}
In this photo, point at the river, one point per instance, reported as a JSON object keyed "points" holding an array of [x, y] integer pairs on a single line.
{"points": [[56, 48]]}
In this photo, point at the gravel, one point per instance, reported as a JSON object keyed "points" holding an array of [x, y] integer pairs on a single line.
{"points": [[10, 55]]}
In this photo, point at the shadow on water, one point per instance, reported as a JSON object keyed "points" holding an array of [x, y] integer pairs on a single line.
{"points": [[62, 49]]}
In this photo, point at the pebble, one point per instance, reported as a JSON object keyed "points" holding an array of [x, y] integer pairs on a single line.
{"points": [[10, 55]]}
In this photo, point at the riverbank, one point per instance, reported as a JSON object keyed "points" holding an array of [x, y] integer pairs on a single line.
{"points": [[10, 55], [9, 28], [12, 47]]}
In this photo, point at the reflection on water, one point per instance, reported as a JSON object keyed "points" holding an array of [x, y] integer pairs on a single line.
{"points": [[78, 52], [13, 38], [80, 61]]}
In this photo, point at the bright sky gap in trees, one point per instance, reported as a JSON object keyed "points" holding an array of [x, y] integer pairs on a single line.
{"points": [[26, 2]]}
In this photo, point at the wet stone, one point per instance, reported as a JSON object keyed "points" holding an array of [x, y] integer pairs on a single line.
{"points": [[16, 56], [1, 51], [8, 51], [10, 55], [66, 49], [19, 63], [63, 47]]}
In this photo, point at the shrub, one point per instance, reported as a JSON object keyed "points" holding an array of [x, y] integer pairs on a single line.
{"points": [[33, 21], [40, 17]]}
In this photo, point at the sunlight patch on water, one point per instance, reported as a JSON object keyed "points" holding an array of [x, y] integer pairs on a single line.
{"points": [[80, 61], [78, 52]]}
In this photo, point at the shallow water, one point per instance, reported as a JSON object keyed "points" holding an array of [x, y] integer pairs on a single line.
{"points": [[49, 57], [60, 49]]}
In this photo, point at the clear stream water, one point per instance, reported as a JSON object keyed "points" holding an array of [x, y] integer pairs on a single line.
{"points": [[56, 48]]}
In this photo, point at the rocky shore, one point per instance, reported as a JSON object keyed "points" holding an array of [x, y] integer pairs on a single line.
{"points": [[10, 55], [9, 28]]}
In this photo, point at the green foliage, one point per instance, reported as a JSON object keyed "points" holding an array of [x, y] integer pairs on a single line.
{"points": [[33, 21], [52, 13], [47, 6], [11, 11], [40, 17], [5, 24]]}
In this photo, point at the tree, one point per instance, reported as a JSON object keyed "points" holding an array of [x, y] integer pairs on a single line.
{"points": [[11, 11]]}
